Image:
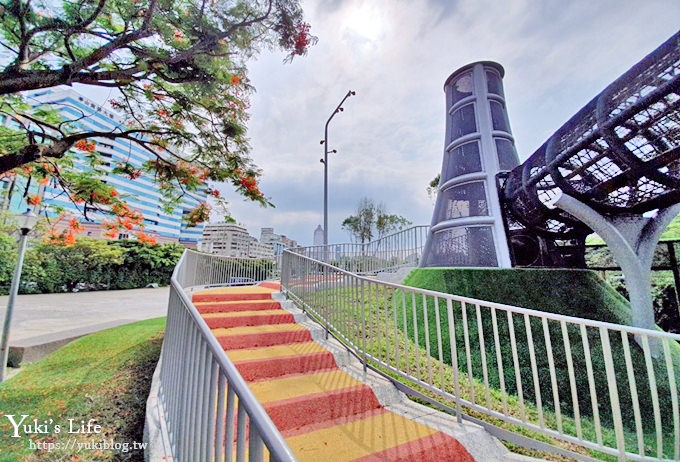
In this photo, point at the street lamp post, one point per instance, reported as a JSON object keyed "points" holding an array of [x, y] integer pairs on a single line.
{"points": [[26, 222], [325, 166]]}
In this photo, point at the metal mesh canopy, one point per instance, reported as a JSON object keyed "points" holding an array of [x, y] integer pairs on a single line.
{"points": [[620, 154]]}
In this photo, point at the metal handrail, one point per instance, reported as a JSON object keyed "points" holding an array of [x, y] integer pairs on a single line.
{"points": [[452, 331], [385, 254], [206, 402]]}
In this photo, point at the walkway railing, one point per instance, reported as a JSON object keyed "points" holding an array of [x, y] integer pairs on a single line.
{"points": [[604, 387], [210, 412], [386, 254]]}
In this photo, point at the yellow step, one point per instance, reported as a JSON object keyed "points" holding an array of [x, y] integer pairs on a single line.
{"points": [[277, 351], [300, 385]]}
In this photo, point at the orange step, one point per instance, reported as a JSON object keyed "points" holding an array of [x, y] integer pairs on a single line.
{"points": [[437, 447]]}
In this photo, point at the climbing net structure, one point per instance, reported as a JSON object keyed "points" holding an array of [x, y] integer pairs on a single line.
{"points": [[620, 154]]}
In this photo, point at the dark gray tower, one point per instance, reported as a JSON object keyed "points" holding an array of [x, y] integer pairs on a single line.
{"points": [[467, 224]]}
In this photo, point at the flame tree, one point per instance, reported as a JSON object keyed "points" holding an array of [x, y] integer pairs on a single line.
{"points": [[178, 70]]}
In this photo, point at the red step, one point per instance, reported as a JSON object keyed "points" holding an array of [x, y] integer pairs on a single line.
{"points": [[249, 320], [271, 285], [259, 369], [247, 306], [225, 297], [304, 410]]}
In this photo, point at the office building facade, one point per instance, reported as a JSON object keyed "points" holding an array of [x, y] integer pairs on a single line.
{"points": [[141, 193]]}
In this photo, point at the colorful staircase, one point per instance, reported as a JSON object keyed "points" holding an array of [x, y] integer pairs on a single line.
{"points": [[323, 413]]}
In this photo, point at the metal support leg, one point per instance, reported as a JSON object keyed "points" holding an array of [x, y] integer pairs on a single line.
{"points": [[632, 240]]}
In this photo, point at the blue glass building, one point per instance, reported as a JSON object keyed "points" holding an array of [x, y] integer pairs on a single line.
{"points": [[141, 193]]}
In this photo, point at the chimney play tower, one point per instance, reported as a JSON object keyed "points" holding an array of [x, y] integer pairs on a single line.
{"points": [[467, 225]]}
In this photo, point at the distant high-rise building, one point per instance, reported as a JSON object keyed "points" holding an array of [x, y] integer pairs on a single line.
{"points": [[318, 235], [268, 237], [233, 240], [288, 243], [225, 239]]}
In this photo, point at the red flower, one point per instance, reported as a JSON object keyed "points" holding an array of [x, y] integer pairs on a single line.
{"points": [[85, 145], [301, 40], [75, 225], [33, 200], [248, 182], [114, 193], [235, 79], [127, 224], [145, 238], [199, 214], [70, 238]]}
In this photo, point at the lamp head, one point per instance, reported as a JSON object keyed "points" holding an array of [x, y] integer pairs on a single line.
{"points": [[27, 221]]}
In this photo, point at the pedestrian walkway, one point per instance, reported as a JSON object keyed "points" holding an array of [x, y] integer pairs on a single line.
{"points": [[323, 412], [42, 323]]}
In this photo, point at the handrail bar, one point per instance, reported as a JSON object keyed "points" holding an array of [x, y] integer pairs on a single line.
{"points": [[511, 308], [258, 417]]}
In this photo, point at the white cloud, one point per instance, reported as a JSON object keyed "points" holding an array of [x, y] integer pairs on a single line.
{"points": [[396, 55]]}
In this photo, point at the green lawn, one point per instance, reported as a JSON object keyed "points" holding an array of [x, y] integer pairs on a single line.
{"points": [[105, 376]]}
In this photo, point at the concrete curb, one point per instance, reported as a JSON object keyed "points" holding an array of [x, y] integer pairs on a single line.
{"points": [[34, 348], [155, 430]]}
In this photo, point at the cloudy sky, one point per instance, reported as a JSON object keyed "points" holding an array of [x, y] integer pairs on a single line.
{"points": [[396, 55]]}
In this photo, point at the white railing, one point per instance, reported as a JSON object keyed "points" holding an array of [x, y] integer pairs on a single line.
{"points": [[386, 254], [210, 412], [607, 388], [202, 270]]}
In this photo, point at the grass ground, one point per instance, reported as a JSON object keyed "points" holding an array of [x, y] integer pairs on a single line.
{"points": [[105, 376], [575, 293]]}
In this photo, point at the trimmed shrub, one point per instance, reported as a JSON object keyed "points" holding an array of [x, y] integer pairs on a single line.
{"points": [[95, 264]]}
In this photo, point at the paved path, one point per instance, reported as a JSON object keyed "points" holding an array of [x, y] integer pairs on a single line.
{"points": [[44, 322]]}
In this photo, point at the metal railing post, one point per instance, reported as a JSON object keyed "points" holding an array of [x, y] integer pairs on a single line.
{"points": [[585, 397]]}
